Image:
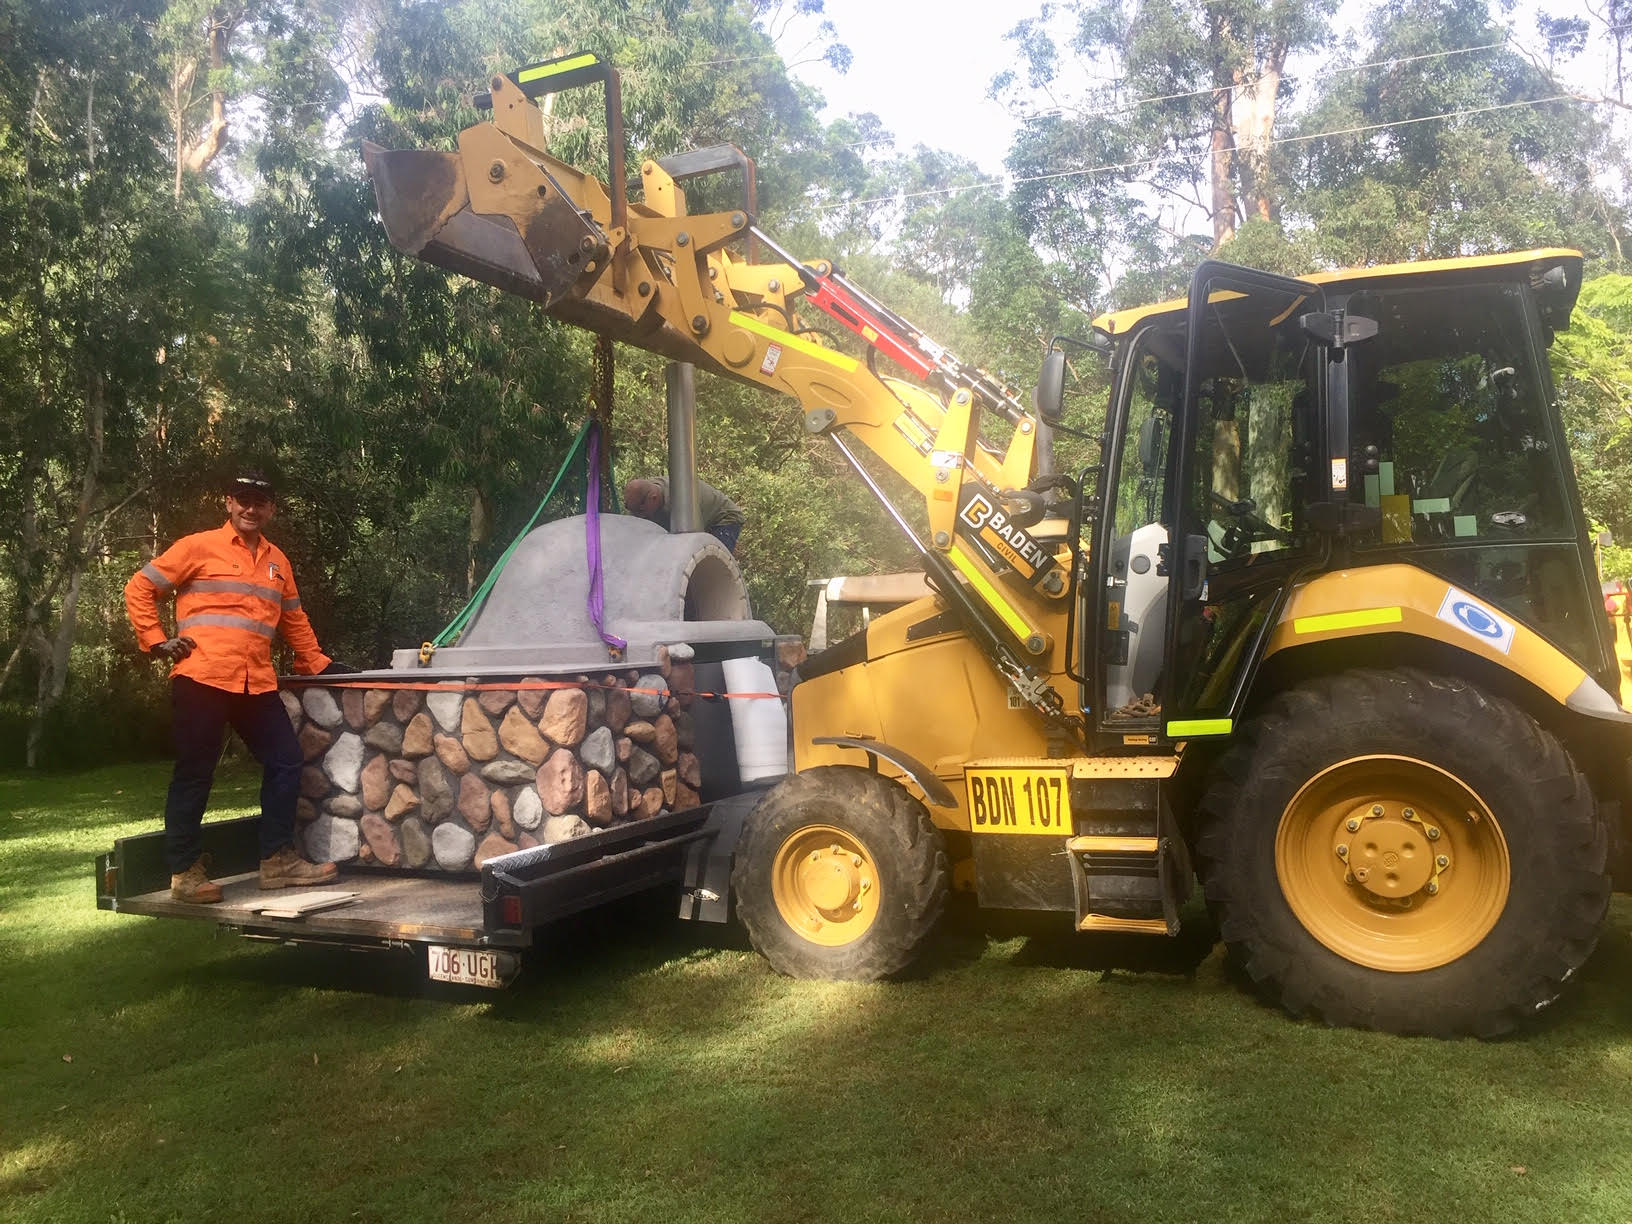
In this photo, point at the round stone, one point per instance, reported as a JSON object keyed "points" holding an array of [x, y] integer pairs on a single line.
{"points": [[453, 845], [649, 695]]}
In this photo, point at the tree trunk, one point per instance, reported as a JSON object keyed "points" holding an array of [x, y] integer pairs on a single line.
{"points": [[1254, 119], [1222, 164], [481, 527], [53, 678], [55, 651], [197, 157], [1223, 170]]}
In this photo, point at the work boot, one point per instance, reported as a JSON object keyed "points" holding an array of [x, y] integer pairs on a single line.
{"points": [[195, 885], [286, 869]]}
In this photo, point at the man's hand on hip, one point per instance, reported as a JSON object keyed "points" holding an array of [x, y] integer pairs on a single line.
{"points": [[175, 649]]}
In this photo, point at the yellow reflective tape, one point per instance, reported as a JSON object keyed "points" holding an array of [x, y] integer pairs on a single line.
{"points": [[539, 71], [989, 593], [1188, 728], [1347, 620], [788, 340], [913, 430]]}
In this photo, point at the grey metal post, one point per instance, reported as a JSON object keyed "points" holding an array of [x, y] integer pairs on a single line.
{"points": [[680, 378]]}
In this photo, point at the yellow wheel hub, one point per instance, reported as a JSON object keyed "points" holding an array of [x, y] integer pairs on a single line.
{"points": [[825, 884], [1392, 863]]}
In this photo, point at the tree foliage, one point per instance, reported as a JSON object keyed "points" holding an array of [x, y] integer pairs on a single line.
{"points": [[192, 276]]}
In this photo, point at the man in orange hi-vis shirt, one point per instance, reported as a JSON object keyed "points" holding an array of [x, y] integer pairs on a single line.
{"points": [[234, 590]]}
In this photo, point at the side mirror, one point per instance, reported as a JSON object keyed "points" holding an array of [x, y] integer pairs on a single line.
{"points": [[1337, 329], [1049, 397], [1150, 445]]}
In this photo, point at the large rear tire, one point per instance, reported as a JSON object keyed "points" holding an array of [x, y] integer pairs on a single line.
{"points": [[1405, 852], [839, 874]]}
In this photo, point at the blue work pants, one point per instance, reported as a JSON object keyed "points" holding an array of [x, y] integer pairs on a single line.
{"points": [[201, 714]]}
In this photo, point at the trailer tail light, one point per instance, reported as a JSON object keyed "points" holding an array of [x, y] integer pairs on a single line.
{"points": [[510, 910], [110, 881]]}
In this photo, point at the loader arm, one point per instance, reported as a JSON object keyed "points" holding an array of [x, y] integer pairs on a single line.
{"points": [[714, 290]]}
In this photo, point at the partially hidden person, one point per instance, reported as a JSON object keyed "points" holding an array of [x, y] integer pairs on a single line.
{"points": [[234, 590], [722, 518]]}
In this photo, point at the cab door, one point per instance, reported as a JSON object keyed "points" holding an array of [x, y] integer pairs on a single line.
{"points": [[1246, 462]]}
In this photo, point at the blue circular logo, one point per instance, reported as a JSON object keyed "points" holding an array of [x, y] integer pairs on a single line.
{"points": [[1477, 619]]}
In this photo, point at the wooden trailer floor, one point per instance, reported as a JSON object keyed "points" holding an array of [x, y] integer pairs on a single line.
{"points": [[388, 907]]}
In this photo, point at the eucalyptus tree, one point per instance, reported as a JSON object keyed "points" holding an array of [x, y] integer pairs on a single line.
{"points": [[98, 276], [1142, 115], [1451, 141]]}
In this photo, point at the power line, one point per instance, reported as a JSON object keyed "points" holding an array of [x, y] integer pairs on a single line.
{"points": [[1151, 162], [1305, 77]]}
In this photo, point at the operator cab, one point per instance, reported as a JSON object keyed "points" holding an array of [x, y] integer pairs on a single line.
{"points": [[1267, 429]]}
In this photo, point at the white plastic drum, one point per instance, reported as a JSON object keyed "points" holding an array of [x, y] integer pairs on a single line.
{"points": [[759, 723]]}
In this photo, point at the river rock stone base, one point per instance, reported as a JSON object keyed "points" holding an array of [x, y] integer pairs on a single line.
{"points": [[448, 778]]}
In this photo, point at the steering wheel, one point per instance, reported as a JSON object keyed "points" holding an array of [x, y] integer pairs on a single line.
{"points": [[1245, 527]]}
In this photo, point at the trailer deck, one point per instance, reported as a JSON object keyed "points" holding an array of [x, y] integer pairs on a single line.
{"points": [[471, 927], [387, 908]]}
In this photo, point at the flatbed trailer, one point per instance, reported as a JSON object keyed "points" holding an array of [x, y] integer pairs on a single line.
{"points": [[472, 927]]}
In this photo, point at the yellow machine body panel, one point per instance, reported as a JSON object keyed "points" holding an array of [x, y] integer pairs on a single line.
{"points": [[1404, 599], [1119, 322], [939, 701]]}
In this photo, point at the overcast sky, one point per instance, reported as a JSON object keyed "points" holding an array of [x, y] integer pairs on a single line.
{"points": [[922, 66]]}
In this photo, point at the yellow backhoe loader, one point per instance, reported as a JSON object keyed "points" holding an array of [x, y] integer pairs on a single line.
{"points": [[1320, 627]]}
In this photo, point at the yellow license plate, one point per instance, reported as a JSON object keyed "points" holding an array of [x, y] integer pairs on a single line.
{"points": [[1019, 801]]}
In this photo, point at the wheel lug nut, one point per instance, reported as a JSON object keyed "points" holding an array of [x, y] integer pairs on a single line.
{"points": [[1442, 862], [1342, 852], [1433, 887], [1376, 809], [1353, 826], [855, 860], [1409, 813], [1433, 833]]}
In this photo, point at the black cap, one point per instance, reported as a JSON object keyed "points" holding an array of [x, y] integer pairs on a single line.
{"points": [[250, 484]]}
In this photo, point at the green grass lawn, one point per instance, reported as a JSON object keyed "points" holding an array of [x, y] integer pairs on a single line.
{"points": [[648, 1070]]}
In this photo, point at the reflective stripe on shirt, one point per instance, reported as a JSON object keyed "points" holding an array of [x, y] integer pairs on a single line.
{"points": [[227, 622], [154, 575], [270, 594]]}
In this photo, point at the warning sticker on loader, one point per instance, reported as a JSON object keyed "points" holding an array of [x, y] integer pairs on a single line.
{"points": [[1474, 618], [1019, 801]]}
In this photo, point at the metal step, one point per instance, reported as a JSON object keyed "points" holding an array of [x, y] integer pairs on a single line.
{"points": [[1130, 870]]}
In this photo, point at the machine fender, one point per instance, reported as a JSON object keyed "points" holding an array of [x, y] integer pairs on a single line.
{"points": [[706, 885], [935, 791], [1403, 599]]}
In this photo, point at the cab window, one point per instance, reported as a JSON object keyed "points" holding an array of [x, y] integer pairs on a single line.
{"points": [[1447, 405]]}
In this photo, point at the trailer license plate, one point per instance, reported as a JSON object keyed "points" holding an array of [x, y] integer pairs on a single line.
{"points": [[467, 966], [1019, 801]]}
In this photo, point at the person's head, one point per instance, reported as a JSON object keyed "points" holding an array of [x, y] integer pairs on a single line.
{"points": [[643, 497], [250, 505]]}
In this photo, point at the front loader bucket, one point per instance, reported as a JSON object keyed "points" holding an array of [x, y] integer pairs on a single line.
{"points": [[425, 203]]}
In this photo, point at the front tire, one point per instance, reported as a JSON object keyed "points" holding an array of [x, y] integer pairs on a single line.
{"points": [[839, 875], [1405, 852]]}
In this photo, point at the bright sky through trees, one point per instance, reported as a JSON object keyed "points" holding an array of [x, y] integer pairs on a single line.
{"points": [[924, 66]]}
